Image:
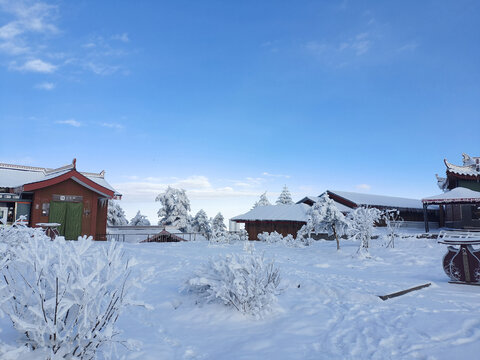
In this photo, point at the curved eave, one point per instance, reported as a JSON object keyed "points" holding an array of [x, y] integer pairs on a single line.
{"points": [[75, 176], [456, 171]]}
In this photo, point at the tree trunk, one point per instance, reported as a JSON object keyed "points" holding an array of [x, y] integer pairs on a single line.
{"points": [[336, 236]]}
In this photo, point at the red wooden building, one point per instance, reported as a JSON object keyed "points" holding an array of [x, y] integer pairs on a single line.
{"points": [[76, 200], [284, 219]]}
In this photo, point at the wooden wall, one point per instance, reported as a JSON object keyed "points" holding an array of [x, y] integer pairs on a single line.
{"points": [[282, 227]]}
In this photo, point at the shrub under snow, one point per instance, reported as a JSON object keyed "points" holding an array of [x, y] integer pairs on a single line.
{"points": [[246, 282], [288, 240], [64, 297]]}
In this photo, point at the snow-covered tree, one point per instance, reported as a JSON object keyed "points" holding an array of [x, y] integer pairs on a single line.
{"points": [[175, 208], [115, 214], [246, 282], [64, 297], [201, 224], [139, 220], [393, 221], [361, 223], [285, 197], [263, 201], [218, 226], [324, 216]]}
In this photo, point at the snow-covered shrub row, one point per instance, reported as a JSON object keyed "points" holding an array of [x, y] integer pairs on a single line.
{"points": [[228, 237], [246, 282], [64, 297], [289, 240]]}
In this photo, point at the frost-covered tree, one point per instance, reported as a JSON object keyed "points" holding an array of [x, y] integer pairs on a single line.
{"points": [[393, 221], [175, 208], [139, 220], [64, 297], [285, 197], [218, 226], [361, 223], [324, 216], [115, 214], [201, 224], [263, 201]]}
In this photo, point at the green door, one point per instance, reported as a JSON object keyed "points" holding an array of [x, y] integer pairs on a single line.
{"points": [[69, 215], [58, 210], [73, 221]]}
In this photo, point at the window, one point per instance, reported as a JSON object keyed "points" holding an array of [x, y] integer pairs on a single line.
{"points": [[476, 212]]}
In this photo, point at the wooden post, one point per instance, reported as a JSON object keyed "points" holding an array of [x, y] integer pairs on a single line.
{"points": [[425, 217]]}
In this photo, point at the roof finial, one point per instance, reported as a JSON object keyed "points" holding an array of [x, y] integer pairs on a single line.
{"points": [[74, 163]]}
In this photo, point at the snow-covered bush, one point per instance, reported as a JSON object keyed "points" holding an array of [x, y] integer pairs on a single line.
{"points": [[394, 222], [285, 197], [289, 240], [271, 238], [361, 223], [175, 208], [324, 217], [139, 220], [64, 297], [263, 201], [115, 214], [228, 237], [246, 282]]}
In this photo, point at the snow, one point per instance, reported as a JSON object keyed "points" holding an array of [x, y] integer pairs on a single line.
{"points": [[379, 200], [328, 307], [12, 176], [458, 194], [294, 212]]}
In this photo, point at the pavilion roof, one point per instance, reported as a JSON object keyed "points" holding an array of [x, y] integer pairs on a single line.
{"points": [[470, 167], [459, 195]]}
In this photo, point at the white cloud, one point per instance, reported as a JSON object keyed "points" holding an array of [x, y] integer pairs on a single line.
{"points": [[364, 187], [113, 125], [102, 69], [25, 18], [71, 122], [411, 46], [45, 86], [276, 175], [196, 186], [35, 65], [121, 37]]}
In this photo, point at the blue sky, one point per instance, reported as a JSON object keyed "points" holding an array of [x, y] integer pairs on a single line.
{"points": [[231, 99]]}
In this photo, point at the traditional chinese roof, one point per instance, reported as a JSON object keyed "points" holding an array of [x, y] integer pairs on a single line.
{"points": [[29, 177], [470, 167], [458, 195]]}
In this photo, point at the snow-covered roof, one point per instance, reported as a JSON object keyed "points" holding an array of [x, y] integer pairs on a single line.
{"points": [[341, 207], [470, 167], [378, 200], [294, 212], [12, 176], [457, 195]]}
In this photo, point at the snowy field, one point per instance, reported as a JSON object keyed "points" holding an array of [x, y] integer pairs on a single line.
{"points": [[328, 307]]}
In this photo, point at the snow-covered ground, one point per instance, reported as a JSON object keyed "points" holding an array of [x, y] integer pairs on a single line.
{"points": [[328, 307]]}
